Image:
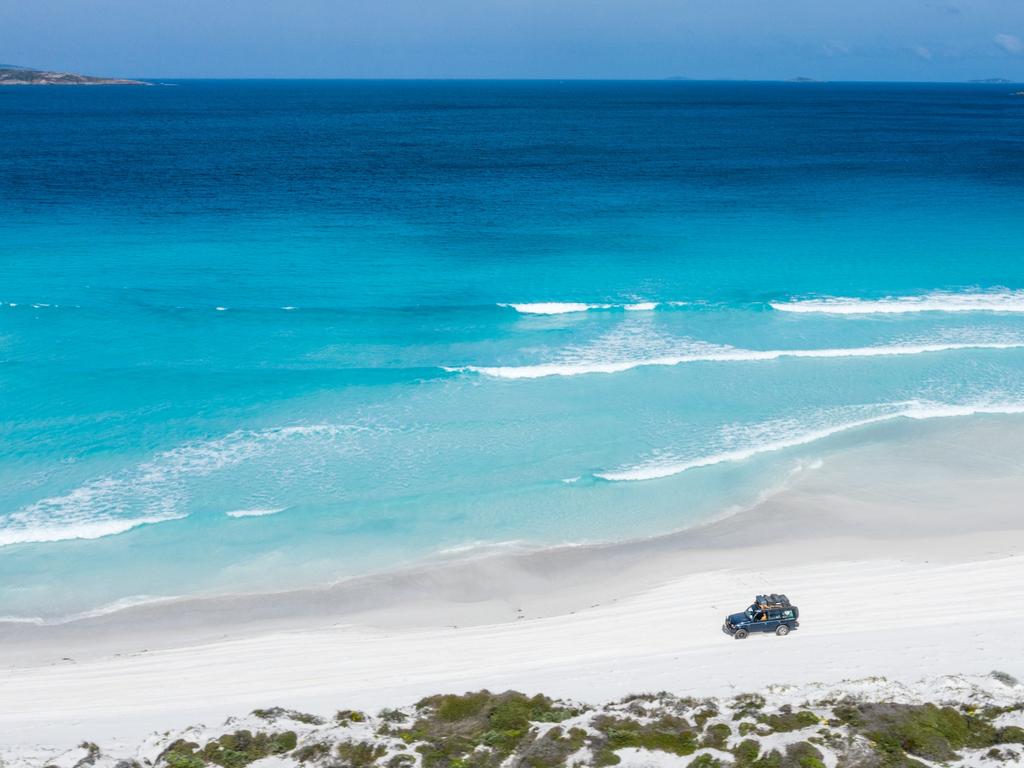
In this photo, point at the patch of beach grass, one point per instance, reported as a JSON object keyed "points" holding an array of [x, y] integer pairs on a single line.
{"points": [[668, 733], [477, 729], [232, 750], [716, 736]]}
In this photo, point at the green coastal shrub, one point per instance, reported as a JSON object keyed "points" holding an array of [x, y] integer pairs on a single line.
{"points": [[1002, 756], [181, 754], [453, 708], [631, 697], [747, 705], [705, 761], [747, 752], [716, 736], [1011, 734], [925, 730], [392, 716], [346, 716], [232, 750], [705, 713], [273, 713], [178, 760], [789, 721], [667, 734], [477, 729], [550, 750], [312, 752], [359, 754], [803, 755], [799, 755], [238, 749]]}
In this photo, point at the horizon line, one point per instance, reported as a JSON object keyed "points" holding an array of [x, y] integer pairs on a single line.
{"points": [[797, 80]]}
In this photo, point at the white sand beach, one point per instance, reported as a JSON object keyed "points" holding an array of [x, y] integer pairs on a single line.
{"points": [[905, 555]]}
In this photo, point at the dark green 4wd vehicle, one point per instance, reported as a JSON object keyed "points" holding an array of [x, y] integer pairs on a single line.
{"points": [[769, 613]]}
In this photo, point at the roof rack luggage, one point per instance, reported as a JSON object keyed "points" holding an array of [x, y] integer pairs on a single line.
{"points": [[772, 601]]}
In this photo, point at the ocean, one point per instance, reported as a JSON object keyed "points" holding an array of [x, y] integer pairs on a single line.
{"points": [[265, 335]]}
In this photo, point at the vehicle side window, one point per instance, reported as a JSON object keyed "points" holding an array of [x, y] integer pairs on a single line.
{"points": [[787, 614], [774, 615]]}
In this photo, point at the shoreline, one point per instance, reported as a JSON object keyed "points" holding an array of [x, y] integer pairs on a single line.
{"points": [[824, 512], [667, 638], [918, 530]]}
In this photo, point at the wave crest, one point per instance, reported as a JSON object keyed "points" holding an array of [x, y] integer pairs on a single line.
{"points": [[718, 354], [939, 301], [78, 529], [569, 307], [154, 491], [257, 512], [916, 410]]}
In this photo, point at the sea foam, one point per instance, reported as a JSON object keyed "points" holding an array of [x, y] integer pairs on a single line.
{"points": [[154, 491], [62, 530], [255, 512], [916, 410], [719, 354], [939, 301], [569, 307]]}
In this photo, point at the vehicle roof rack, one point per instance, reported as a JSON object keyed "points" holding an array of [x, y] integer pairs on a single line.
{"points": [[772, 601]]}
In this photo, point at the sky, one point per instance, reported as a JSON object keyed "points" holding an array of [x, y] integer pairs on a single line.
{"points": [[948, 40]]}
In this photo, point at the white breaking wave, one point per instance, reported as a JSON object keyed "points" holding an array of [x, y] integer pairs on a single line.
{"points": [[34, 305], [912, 410], [553, 308], [77, 529], [154, 491], [255, 512], [983, 301], [718, 354], [564, 308]]}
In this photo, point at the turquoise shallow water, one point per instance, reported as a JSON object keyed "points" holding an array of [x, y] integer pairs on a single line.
{"points": [[261, 335]]}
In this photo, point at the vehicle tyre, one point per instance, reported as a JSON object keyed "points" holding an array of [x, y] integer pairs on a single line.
{"points": [[740, 634], [782, 631]]}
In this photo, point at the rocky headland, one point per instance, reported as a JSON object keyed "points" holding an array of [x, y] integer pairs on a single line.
{"points": [[14, 75]]}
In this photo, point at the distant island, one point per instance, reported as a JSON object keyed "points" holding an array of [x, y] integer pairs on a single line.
{"points": [[992, 81], [804, 80], [15, 75]]}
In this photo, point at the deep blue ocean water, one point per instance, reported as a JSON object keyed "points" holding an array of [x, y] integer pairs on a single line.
{"points": [[260, 335]]}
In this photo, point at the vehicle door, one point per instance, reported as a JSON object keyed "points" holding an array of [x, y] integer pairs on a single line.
{"points": [[760, 622], [789, 617], [773, 621]]}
